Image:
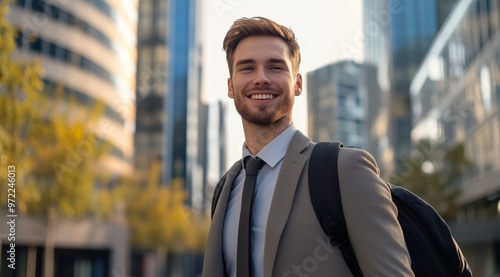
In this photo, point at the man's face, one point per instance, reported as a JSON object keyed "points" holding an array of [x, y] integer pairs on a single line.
{"points": [[263, 84]]}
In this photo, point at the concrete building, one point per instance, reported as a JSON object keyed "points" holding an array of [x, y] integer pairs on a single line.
{"points": [[85, 247], [88, 48], [456, 99]]}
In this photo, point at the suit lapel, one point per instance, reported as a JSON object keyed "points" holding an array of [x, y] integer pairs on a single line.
{"points": [[281, 205], [213, 257]]}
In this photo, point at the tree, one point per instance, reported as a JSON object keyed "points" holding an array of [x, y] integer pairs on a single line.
{"points": [[433, 172], [158, 217], [156, 213], [14, 77], [49, 141]]}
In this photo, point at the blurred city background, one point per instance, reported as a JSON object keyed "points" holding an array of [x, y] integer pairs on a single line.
{"points": [[115, 125]]}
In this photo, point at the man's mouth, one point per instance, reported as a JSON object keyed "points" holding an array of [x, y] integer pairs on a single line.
{"points": [[262, 96]]}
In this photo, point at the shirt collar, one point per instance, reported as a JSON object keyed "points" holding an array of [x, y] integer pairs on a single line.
{"points": [[275, 150]]}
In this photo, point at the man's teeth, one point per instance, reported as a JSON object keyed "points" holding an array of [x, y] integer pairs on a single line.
{"points": [[262, 96]]}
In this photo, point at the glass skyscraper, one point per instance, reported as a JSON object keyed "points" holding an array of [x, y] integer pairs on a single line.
{"points": [[168, 93], [170, 112], [397, 36], [456, 99]]}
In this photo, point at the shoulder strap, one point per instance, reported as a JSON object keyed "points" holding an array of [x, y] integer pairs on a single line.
{"points": [[325, 196]]}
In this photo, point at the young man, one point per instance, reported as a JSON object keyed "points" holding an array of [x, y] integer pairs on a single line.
{"points": [[286, 238]]}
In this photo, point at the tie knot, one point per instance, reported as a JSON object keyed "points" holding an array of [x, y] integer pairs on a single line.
{"points": [[253, 165]]}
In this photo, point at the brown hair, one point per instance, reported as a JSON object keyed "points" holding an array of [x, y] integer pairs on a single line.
{"points": [[260, 26]]}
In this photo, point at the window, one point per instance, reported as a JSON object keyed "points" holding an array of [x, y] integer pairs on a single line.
{"points": [[485, 82], [145, 19], [52, 50], [36, 45], [49, 11], [483, 22]]}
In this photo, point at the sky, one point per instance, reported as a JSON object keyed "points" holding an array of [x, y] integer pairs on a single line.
{"points": [[327, 31]]}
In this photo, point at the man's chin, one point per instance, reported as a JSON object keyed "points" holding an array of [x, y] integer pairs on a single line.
{"points": [[263, 117], [264, 121]]}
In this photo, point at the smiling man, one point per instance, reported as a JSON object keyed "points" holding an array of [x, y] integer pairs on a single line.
{"points": [[264, 223], [263, 84]]}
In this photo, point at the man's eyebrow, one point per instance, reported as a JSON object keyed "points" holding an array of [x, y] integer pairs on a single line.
{"points": [[245, 61], [274, 60], [248, 61]]}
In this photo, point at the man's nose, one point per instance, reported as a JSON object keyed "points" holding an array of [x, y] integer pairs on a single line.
{"points": [[262, 77]]}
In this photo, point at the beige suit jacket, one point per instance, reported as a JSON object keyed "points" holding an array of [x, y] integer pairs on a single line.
{"points": [[295, 244]]}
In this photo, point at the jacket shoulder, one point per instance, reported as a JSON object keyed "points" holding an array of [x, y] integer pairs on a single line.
{"points": [[351, 157]]}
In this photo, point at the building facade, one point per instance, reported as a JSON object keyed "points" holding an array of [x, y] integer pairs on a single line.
{"points": [[87, 248], [87, 49], [169, 103], [456, 99], [397, 34], [171, 121], [336, 104]]}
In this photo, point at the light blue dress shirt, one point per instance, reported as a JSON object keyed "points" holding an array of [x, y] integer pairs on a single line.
{"points": [[273, 154]]}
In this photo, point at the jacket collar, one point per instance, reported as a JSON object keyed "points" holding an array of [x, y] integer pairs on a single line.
{"points": [[281, 206]]}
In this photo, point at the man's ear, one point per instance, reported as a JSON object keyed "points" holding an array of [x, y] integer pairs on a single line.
{"points": [[230, 91], [298, 85]]}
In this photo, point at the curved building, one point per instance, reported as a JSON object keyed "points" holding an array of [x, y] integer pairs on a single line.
{"points": [[88, 47]]}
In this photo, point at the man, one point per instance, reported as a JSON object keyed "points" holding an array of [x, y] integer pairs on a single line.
{"points": [[286, 237]]}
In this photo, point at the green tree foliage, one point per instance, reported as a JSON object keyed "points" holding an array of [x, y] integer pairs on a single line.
{"points": [[433, 172]]}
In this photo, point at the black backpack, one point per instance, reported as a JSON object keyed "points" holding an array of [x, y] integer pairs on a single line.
{"points": [[431, 246]]}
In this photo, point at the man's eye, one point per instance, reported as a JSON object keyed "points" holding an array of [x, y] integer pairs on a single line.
{"points": [[276, 68]]}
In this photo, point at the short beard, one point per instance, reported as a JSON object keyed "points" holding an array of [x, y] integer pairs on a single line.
{"points": [[265, 117]]}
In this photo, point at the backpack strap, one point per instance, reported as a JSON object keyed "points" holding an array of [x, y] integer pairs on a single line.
{"points": [[325, 196]]}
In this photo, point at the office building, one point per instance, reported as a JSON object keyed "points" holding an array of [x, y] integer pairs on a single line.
{"points": [[397, 34], [456, 99], [168, 92], [336, 104], [171, 116], [87, 48]]}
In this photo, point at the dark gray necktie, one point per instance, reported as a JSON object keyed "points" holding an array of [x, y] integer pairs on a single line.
{"points": [[244, 257]]}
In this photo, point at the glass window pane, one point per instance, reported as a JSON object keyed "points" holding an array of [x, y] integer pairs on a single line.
{"points": [[145, 19]]}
